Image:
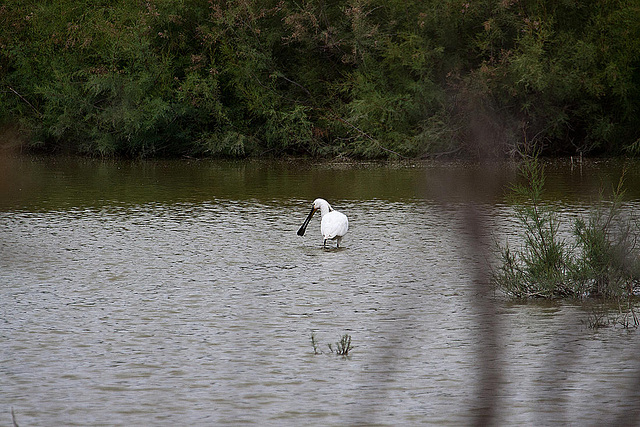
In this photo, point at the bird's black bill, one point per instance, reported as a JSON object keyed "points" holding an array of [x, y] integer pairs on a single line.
{"points": [[303, 227]]}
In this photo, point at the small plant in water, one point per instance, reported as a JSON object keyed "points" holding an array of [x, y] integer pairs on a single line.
{"points": [[314, 343], [343, 347], [13, 418], [597, 319], [606, 315], [628, 318]]}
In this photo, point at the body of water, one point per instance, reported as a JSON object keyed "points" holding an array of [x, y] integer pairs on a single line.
{"points": [[178, 293]]}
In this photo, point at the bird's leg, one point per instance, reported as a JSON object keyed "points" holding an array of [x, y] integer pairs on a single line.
{"points": [[324, 244]]}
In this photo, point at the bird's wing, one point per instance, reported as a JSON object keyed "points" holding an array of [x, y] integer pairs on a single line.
{"points": [[334, 224]]}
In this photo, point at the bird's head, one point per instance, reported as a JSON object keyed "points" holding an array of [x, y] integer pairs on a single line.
{"points": [[319, 203]]}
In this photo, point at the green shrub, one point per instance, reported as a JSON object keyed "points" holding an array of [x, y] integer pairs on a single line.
{"points": [[542, 266], [608, 264], [602, 260]]}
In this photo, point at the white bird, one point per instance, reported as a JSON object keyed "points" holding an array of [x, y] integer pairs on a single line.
{"points": [[334, 224]]}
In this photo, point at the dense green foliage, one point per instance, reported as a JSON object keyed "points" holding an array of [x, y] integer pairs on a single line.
{"points": [[364, 78], [600, 257]]}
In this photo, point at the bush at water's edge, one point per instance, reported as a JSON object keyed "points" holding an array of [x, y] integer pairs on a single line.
{"points": [[602, 259], [361, 79]]}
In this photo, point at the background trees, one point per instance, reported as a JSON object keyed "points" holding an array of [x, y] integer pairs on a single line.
{"points": [[363, 78]]}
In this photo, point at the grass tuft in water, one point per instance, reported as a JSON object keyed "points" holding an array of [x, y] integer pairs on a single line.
{"points": [[13, 418], [342, 347], [603, 315], [314, 343]]}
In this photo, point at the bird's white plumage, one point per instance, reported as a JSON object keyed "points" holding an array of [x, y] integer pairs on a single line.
{"points": [[333, 226]]}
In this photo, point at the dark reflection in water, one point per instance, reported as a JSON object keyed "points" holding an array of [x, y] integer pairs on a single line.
{"points": [[179, 293], [62, 183]]}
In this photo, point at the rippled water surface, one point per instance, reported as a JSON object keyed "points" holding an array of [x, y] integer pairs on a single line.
{"points": [[178, 293]]}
